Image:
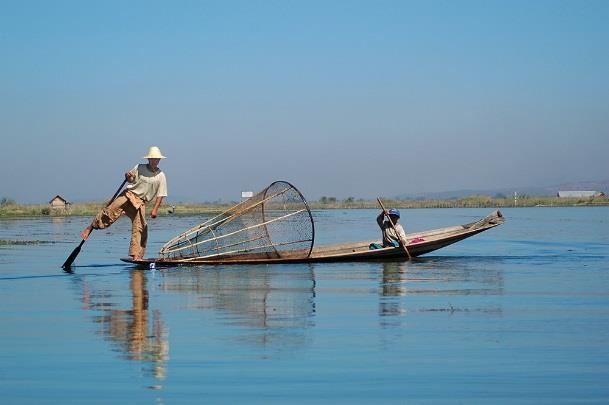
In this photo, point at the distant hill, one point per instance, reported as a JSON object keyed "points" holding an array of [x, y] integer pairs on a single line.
{"points": [[531, 191]]}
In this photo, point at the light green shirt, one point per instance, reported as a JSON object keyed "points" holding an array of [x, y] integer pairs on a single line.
{"points": [[148, 185], [389, 234]]}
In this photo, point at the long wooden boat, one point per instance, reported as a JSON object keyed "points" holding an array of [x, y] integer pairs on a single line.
{"points": [[419, 243]]}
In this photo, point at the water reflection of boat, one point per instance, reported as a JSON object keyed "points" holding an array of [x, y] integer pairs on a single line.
{"points": [[276, 304], [454, 278], [419, 243]]}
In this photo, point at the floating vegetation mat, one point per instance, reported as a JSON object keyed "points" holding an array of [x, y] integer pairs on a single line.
{"points": [[7, 242]]}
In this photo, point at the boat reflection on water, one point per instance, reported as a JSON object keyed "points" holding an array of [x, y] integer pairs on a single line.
{"points": [[272, 307], [405, 285], [137, 332], [274, 304]]}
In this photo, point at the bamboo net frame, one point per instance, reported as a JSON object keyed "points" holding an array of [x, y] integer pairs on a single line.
{"points": [[276, 222]]}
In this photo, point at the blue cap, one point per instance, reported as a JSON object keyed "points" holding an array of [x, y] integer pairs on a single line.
{"points": [[394, 212]]}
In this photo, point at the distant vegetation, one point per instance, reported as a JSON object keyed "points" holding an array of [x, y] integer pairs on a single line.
{"points": [[497, 201], [9, 208], [6, 201]]}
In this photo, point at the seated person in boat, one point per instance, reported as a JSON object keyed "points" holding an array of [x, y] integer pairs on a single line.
{"points": [[390, 238]]}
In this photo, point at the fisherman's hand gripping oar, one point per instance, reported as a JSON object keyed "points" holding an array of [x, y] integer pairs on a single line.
{"points": [[68, 263]]}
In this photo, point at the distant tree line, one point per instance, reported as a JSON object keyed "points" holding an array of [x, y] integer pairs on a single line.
{"points": [[9, 208], [4, 201]]}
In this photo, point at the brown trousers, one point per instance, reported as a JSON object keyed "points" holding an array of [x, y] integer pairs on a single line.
{"points": [[131, 205]]}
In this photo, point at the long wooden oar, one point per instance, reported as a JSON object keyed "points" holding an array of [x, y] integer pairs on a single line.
{"points": [[68, 264], [402, 240]]}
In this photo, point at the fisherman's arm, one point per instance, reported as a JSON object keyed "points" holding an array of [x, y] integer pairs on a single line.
{"points": [[402, 234], [380, 219], [157, 204]]}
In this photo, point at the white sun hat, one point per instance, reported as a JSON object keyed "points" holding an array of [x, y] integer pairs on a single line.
{"points": [[154, 153]]}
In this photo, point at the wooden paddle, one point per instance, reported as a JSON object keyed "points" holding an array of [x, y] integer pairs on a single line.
{"points": [[68, 264], [402, 240]]}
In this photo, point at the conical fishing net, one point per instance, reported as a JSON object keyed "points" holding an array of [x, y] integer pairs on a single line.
{"points": [[274, 223]]}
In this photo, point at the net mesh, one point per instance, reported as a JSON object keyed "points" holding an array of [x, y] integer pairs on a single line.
{"points": [[274, 223]]}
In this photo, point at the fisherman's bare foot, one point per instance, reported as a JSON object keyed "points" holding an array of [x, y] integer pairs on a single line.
{"points": [[85, 234], [137, 258]]}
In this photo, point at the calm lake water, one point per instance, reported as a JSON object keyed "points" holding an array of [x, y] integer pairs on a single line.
{"points": [[517, 314]]}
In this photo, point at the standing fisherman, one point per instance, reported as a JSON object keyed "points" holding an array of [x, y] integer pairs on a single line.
{"points": [[146, 183]]}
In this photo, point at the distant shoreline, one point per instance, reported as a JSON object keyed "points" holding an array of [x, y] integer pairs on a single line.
{"points": [[91, 209]]}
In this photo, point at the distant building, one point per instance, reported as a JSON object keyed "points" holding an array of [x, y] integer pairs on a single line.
{"points": [[59, 205], [580, 194], [246, 194]]}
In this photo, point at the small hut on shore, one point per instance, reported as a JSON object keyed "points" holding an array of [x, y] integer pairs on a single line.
{"points": [[59, 205]]}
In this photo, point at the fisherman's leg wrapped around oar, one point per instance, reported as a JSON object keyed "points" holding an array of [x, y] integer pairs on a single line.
{"points": [[129, 204]]}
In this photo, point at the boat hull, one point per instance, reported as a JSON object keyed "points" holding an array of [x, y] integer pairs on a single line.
{"points": [[420, 243]]}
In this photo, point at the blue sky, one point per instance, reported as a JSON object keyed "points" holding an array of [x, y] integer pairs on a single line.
{"points": [[342, 98]]}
